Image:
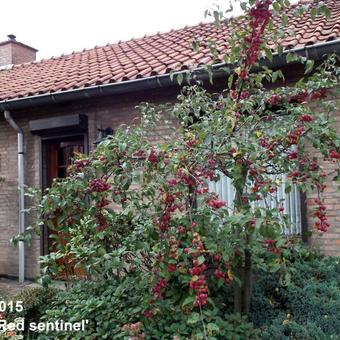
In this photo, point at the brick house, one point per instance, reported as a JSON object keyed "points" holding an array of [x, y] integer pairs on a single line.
{"points": [[60, 104]]}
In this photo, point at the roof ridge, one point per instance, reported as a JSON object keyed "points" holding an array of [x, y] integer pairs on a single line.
{"points": [[120, 42]]}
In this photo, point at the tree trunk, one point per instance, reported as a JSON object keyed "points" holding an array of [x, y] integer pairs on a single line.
{"points": [[238, 290], [242, 291], [247, 283]]}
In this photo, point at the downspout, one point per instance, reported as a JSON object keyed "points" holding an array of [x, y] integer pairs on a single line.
{"points": [[21, 186]]}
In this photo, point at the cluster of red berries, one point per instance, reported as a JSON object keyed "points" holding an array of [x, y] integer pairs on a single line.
{"points": [[211, 163], [274, 100], [260, 16], [308, 164], [198, 280], [153, 158], [170, 207], [306, 118], [186, 178], [80, 164], [138, 154], [172, 182], [271, 246], [102, 223], [134, 329], [292, 155], [294, 136], [334, 154], [191, 143], [98, 185], [157, 289], [222, 276], [265, 143], [216, 203], [319, 94], [201, 289], [202, 190], [313, 166], [171, 268], [148, 314], [299, 97], [294, 175], [304, 96], [320, 213], [102, 203], [243, 95]]}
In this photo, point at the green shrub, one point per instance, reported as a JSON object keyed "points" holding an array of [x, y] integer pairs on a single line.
{"points": [[107, 305], [285, 329], [113, 305], [311, 301], [35, 301], [212, 324]]}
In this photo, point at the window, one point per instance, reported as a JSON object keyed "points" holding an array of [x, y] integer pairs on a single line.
{"points": [[291, 201]]}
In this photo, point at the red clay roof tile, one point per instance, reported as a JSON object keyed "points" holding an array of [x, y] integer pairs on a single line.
{"points": [[149, 56]]}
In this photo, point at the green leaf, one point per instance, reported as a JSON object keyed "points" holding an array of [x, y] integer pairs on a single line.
{"points": [[188, 301], [269, 54], [194, 318], [287, 279], [179, 78], [309, 66], [200, 260], [291, 57], [217, 18], [314, 13], [230, 80], [274, 77], [195, 45], [284, 20], [276, 6], [212, 327], [325, 10], [280, 50], [122, 147]]}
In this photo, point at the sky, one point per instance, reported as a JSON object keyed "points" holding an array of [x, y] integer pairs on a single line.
{"points": [[62, 26]]}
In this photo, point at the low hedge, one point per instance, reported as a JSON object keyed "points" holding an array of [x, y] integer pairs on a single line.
{"points": [[309, 308]]}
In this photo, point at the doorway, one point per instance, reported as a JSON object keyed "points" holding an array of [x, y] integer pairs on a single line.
{"points": [[57, 156]]}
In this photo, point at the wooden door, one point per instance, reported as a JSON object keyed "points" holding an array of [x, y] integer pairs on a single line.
{"points": [[59, 154]]}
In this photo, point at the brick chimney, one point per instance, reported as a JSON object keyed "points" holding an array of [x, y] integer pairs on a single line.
{"points": [[15, 52]]}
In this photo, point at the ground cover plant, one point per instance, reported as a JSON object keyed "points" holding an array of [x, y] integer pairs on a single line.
{"points": [[139, 207]]}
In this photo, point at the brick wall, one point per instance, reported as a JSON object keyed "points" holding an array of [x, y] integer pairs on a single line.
{"points": [[5, 54], [329, 242], [22, 54]]}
